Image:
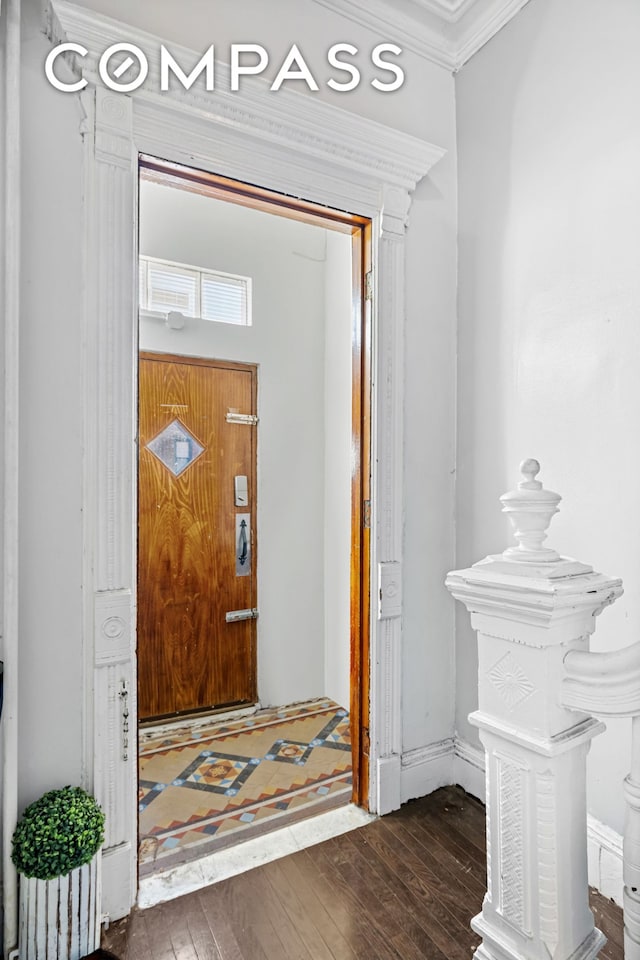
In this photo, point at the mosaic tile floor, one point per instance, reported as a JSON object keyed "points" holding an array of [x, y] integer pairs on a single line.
{"points": [[204, 788]]}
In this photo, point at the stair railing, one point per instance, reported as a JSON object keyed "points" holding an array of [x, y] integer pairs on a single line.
{"points": [[538, 687], [608, 685]]}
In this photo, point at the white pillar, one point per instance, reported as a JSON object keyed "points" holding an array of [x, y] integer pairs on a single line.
{"points": [[530, 607]]}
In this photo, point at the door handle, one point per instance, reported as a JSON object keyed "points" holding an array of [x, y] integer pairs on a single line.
{"points": [[233, 615], [242, 545]]}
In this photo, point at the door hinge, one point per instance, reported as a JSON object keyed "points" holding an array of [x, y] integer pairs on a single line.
{"points": [[249, 419], [366, 514], [368, 285]]}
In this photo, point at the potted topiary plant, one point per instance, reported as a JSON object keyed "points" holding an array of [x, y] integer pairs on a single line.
{"points": [[56, 850]]}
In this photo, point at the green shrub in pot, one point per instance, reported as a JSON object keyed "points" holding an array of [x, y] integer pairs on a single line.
{"points": [[62, 830]]}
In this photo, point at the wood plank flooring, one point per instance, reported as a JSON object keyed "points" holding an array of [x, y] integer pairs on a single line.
{"points": [[402, 888]]}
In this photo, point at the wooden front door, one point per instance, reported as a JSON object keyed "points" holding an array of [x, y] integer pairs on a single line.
{"points": [[196, 535]]}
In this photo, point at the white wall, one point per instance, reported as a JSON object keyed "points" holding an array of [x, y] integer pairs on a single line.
{"points": [[50, 629], [303, 379], [549, 152], [337, 465]]}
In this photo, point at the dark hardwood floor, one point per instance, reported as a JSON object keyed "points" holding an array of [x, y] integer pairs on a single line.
{"points": [[402, 888]]}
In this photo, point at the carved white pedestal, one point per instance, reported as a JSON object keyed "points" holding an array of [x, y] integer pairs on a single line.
{"points": [[530, 607]]}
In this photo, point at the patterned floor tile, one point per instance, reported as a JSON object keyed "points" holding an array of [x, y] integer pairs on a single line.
{"points": [[206, 788]]}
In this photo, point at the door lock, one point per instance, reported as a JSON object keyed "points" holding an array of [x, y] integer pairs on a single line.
{"points": [[234, 615], [241, 491]]}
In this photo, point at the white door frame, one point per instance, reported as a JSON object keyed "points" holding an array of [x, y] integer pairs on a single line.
{"points": [[288, 142]]}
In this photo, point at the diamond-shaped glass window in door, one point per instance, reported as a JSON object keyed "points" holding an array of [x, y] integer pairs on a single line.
{"points": [[175, 447]]}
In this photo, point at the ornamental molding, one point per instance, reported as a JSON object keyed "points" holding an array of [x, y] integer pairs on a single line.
{"points": [[308, 127], [513, 800], [605, 684], [510, 680], [500, 731], [536, 602], [446, 32], [547, 848], [449, 10], [442, 749]]}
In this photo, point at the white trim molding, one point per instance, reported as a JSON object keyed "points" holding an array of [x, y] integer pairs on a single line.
{"points": [[450, 761], [299, 146], [447, 32], [604, 858], [10, 207], [448, 10], [320, 131], [469, 768], [425, 769], [422, 36]]}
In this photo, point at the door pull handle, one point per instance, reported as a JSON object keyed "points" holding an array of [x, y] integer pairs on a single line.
{"points": [[233, 615], [242, 544]]}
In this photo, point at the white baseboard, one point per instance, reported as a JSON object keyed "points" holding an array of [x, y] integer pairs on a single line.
{"points": [[441, 764], [389, 781], [604, 855], [425, 769], [456, 761], [468, 768], [604, 845]]}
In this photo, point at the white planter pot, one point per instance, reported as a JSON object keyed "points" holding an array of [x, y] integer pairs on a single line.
{"points": [[60, 919]]}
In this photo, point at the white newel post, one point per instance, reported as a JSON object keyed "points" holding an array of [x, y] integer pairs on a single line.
{"points": [[530, 607]]}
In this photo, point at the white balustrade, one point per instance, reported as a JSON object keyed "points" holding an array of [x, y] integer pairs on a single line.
{"points": [[608, 685], [532, 609]]}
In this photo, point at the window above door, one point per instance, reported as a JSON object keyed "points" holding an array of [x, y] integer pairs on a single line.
{"points": [[194, 291]]}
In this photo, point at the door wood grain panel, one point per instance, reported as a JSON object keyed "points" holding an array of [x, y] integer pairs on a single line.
{"points": [[189, 658]]}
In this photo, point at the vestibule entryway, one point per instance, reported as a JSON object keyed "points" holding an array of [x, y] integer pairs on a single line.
{"points": [[253, 524]]}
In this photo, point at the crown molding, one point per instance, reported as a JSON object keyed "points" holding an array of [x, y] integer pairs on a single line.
{"points": [[484, 21], [448, 10], [426, 40], [446, 32], [308, 125]]}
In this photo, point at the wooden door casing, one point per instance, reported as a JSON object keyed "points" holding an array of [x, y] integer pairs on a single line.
{"points": [[189, 658], [361, 514], [360, 228]]}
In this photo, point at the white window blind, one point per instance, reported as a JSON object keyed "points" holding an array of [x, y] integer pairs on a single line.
{"points": [[195, 292], [170, 288], [224, 298]]}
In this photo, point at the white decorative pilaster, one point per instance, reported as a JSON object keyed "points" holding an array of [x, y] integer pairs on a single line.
{"points": [[111, 173], [10, 274], [530, 607], [387, 494]]}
